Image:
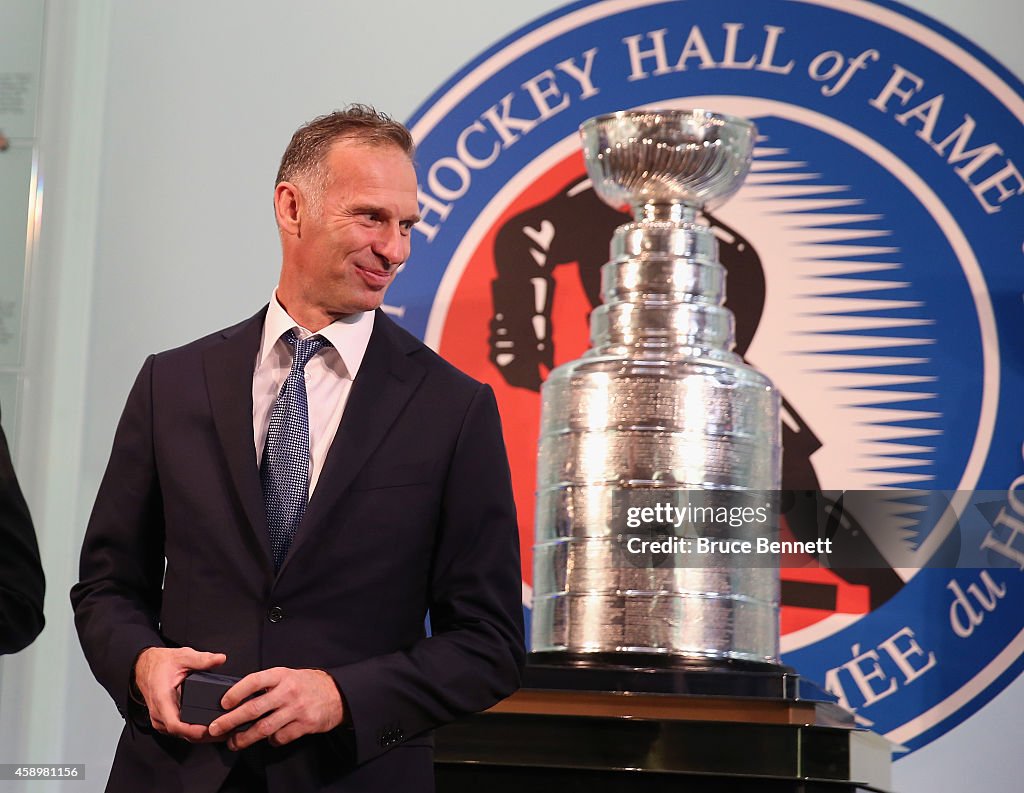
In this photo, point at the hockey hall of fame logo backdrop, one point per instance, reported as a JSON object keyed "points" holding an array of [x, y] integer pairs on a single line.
{"points": [[875, 269]]}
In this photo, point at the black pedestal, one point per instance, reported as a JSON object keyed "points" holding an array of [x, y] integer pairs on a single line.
{"points": [[600, 725]]}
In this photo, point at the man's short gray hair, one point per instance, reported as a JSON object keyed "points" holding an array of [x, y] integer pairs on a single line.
{"points": [[304, 160]]}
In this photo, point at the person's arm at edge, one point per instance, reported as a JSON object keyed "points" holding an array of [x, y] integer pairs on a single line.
{"points": [[22, 584]]}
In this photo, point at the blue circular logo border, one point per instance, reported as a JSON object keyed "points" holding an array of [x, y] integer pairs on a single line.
{"points": [[416, 288]]}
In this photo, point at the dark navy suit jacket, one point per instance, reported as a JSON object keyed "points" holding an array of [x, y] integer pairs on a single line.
{"points": [[413, 512]]}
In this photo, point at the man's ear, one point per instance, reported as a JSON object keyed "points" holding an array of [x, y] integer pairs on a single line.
{"points": [[289, 205]]}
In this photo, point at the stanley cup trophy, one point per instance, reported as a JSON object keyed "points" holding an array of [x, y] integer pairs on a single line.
{"points": [[659, 413], [653, 667]]}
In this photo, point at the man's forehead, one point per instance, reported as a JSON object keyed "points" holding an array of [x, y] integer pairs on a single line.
{"points": [[374, 177], [353, 148], [387, 167]]}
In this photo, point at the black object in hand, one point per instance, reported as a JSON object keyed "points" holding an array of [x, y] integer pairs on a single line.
{"points": [[201, 693]]}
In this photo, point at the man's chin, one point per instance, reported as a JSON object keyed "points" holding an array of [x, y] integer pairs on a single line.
{"points": [[369, 301]]}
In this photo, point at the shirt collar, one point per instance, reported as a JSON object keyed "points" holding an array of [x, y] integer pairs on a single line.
{"points": [[349, 335]]}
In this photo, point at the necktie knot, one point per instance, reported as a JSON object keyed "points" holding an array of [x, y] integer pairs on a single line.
{"points": [[304, 349]]}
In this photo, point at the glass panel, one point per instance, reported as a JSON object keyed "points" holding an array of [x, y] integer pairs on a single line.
{"points": [[9, 406], [21, 43], [15, 191]]}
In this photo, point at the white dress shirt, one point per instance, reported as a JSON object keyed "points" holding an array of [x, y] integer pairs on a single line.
{"points": [[329, 376]]}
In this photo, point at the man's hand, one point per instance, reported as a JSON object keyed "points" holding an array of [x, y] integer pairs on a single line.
{"points": [[290, 703], [158, 674]]}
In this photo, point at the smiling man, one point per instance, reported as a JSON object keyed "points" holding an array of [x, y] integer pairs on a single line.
{"points": [[287, 499]]}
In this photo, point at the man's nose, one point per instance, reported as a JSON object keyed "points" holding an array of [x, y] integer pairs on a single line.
{"points": [[391, 244]]}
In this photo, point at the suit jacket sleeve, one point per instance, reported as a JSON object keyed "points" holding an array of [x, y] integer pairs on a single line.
{"points": [[475, 652], [21, 574], [117, 599]]}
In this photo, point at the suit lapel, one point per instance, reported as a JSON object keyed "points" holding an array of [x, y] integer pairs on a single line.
{"points": [[229, 369], [386, 381]]}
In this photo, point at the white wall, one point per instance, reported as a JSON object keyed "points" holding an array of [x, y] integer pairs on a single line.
{"points": [[162, 126]]}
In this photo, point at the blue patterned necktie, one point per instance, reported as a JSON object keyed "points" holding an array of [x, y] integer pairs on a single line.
{"points": [[284, 471]]}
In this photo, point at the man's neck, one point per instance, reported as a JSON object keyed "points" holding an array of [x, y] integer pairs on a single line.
{"points": [[312, 319]]}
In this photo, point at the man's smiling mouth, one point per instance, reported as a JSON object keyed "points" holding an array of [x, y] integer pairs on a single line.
{"points": [[375, 277]]}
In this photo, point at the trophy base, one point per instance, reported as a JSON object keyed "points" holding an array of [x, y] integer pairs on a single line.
{"points": [[655, 673]]}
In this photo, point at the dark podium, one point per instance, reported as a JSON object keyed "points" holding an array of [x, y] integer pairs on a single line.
{"points": [[599, 726]]}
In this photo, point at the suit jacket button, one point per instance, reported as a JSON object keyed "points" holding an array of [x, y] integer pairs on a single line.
{"points": [[276, 614]]}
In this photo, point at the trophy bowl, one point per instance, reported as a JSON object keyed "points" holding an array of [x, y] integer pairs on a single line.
{"points": [[655, 157]]}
